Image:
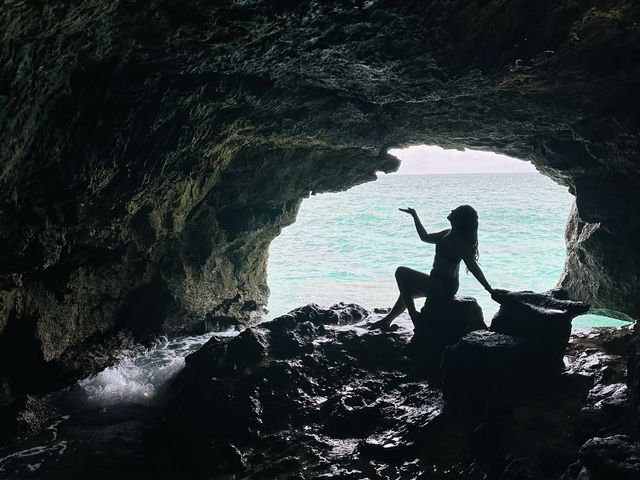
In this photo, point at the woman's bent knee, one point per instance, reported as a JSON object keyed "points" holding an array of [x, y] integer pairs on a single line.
{"points": [[401, 272]]}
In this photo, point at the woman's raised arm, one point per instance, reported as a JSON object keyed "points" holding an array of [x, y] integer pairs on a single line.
{"points": [[422, 233]]}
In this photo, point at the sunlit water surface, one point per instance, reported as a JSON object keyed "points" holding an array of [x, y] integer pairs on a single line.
{"points": [[346, 246]]}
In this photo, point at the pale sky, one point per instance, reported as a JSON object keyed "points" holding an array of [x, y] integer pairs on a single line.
{"points": [[431, 159]]}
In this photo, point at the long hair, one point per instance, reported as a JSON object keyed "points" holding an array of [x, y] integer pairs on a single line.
{"points": [[464, 221]]}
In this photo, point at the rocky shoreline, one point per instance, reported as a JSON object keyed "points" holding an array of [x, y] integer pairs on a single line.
{"points": [[313, 393]]}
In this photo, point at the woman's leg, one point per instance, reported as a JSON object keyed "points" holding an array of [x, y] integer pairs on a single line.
{"points": [[412, 284], [396, 310]]}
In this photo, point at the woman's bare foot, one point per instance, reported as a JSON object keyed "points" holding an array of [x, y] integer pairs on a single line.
{"points": [[380, 324]]}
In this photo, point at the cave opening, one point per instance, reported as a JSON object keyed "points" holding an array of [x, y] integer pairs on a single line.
{"points": [[346, 246]]}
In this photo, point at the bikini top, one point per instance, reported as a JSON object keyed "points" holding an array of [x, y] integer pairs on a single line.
{"points": [[445, 261]]}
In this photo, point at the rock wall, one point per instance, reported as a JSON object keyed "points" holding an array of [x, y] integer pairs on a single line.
{"points": [[601, 264], [150, 151]]}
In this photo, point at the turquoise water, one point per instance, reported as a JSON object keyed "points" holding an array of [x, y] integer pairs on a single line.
{"points": [[346, 246]]}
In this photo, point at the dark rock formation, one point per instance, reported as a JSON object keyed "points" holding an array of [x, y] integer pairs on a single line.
{"points": [[150, 151], [607, 458], [633, 376], [542, 320], [450, 320], [23, 417], [338, 398], [301, 373], [234, 378], [527, 343], [323, 396], [483, 363], [443, 323], [602, 354]]}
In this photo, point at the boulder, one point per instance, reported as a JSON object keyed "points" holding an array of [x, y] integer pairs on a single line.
{"points": [[480, 364], [542, 321], [289, 343], [527, 342], [450, 319], [615, 457], [605, 412], [443, 322], [338, 314], [248, 347]]}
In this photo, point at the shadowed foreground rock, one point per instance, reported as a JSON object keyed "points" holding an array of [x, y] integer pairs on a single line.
{"points": [[616, 457], [483, 363], [443, 322], [542, 321], [526, 345], [313, 393], [633, 376]]}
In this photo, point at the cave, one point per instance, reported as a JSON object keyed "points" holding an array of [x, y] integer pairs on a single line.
{"points": [[151, 151]]}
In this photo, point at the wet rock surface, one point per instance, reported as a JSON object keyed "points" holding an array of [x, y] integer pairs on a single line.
{"points": [[606, 458], [315, 393], [152, 150], [344, 401], [603, 354]]}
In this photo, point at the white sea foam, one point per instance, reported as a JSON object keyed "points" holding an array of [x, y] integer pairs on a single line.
{"points": [[138, 379], [57, 448]]}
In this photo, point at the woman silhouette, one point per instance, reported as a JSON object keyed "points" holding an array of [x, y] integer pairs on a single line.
{"points": [[460, 242]]}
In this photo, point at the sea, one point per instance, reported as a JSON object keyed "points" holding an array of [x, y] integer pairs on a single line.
{"points": [[346, 246]]}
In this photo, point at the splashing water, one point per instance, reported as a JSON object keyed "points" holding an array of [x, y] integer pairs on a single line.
{"points": [[139, 379]]}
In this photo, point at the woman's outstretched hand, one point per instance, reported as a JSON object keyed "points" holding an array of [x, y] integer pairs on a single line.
{"points": [[408, 210], [497, 294]]}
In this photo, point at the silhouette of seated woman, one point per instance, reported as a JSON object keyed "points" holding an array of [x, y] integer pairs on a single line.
{"points": [[460, 242]]}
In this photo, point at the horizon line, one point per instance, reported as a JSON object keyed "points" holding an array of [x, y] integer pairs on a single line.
{"points": [[456, 173]]}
